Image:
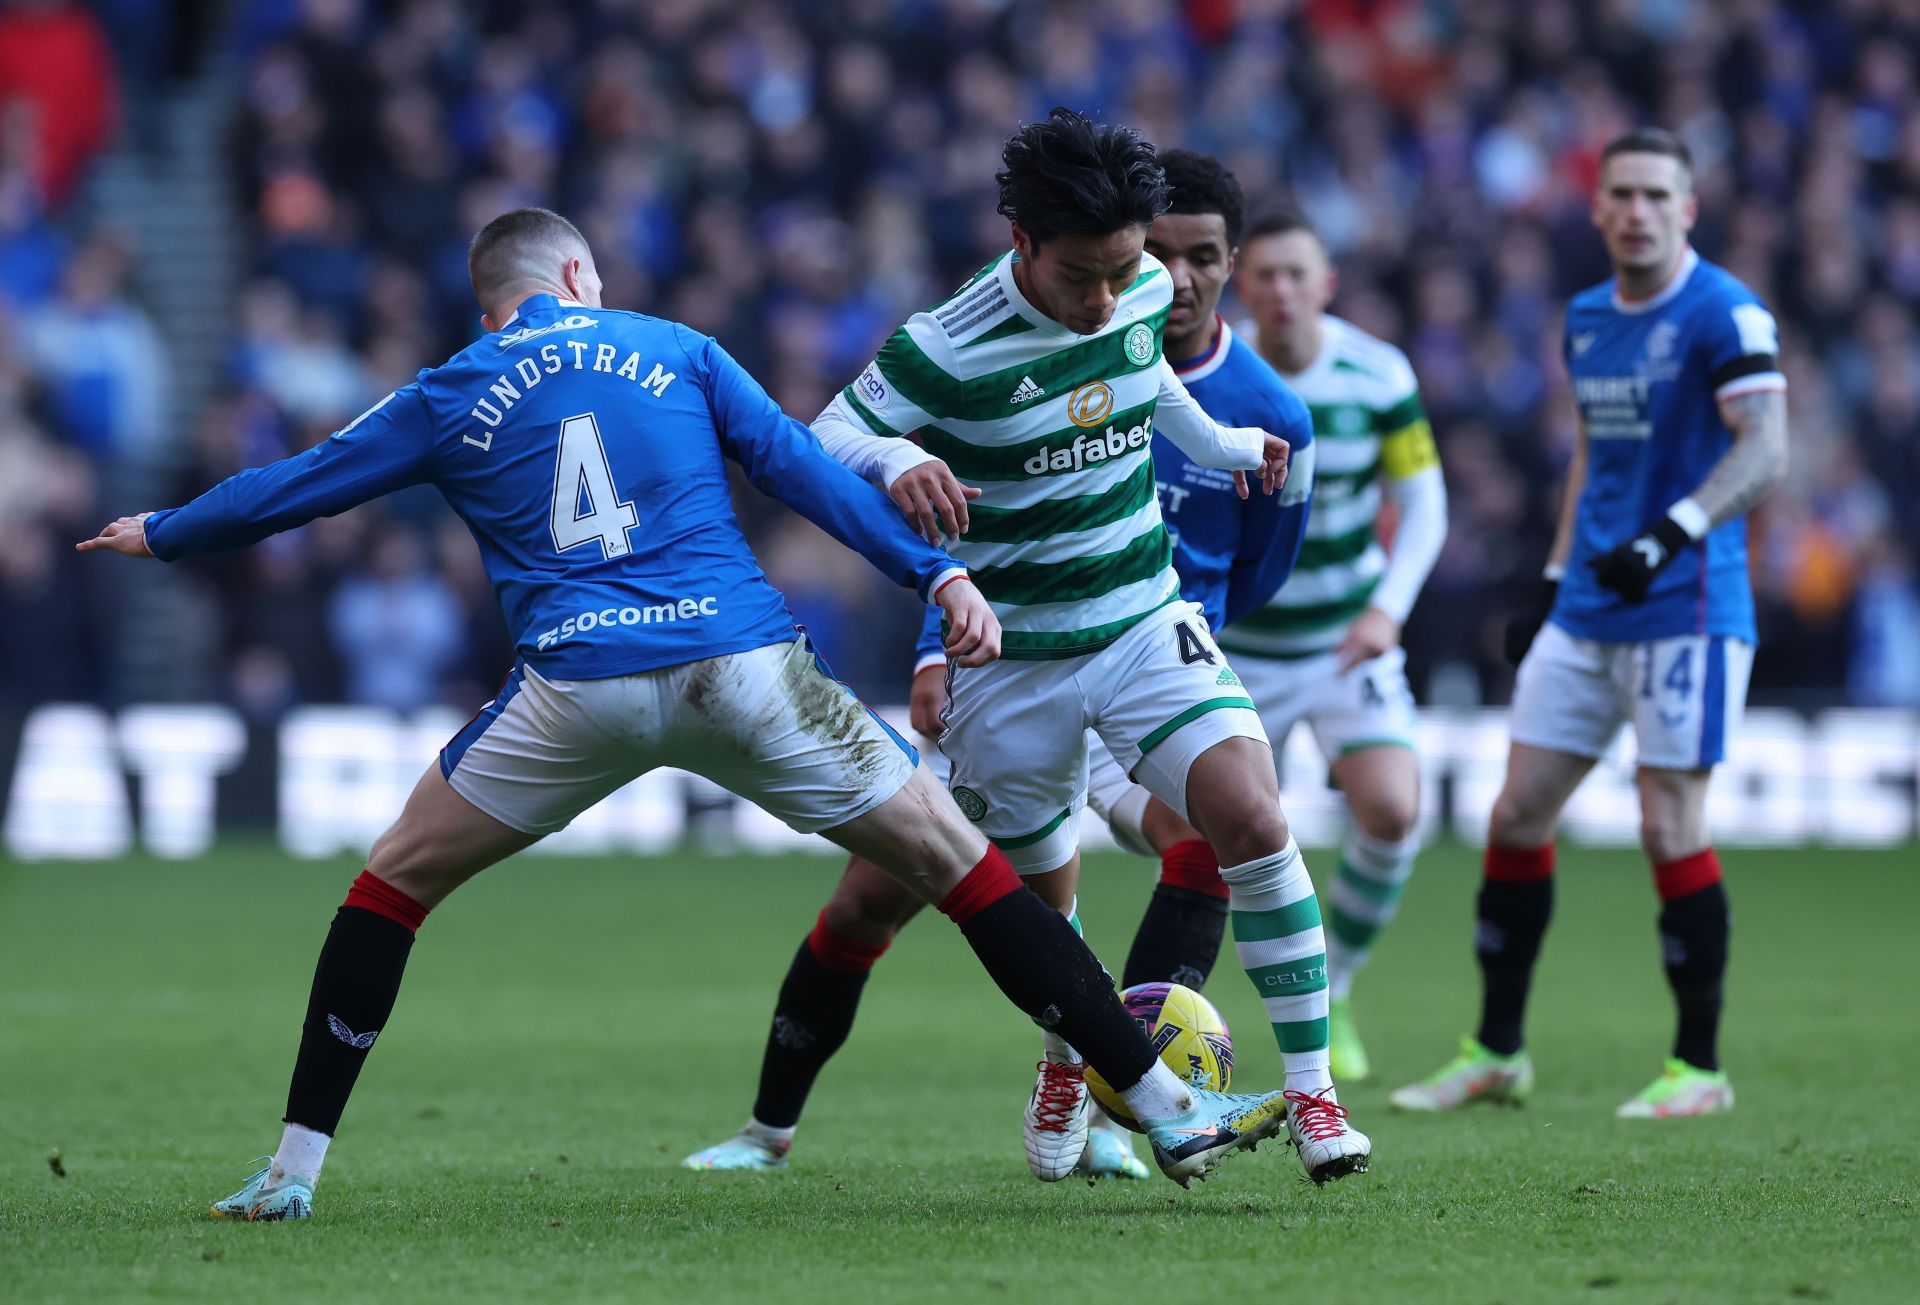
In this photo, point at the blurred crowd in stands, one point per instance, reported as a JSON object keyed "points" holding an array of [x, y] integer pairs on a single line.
{"points": [[795, 178]]}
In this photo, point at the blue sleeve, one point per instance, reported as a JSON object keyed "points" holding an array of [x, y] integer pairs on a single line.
{"points": [[783, 458], [1272, 527], [931, 643], [1740, 338], [388, 447]]}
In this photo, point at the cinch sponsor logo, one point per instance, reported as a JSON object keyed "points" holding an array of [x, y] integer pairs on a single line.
{"points": [[685, 609], [1090, 449]]}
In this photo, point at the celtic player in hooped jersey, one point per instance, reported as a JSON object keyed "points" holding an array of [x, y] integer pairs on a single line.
{"points": [[1231, 555], [1325, 651], [1646, 615], [1036, 390]]}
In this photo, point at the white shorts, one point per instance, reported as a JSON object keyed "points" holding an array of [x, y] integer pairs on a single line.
{"points": [[1684, 695], [770, 725], [1016, 730], [1367, 706]]}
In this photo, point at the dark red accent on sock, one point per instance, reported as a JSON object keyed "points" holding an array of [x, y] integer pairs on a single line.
{"points": [[839, 953], [984, 885], [371, 893], [1193, 866], [1519, 865], [1687, 875]]}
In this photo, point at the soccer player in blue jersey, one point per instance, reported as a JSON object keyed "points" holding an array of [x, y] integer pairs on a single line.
{"points": [[1232, 554], [585, 448], [1646, 616]]}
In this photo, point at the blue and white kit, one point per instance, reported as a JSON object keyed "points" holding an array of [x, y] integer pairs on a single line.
{"points": [[1648, 377], [585, 449]]}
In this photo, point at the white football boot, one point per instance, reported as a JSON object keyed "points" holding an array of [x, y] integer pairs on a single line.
{"points": [[1682, 1091], [1329, 1146], [1055, 1125]]}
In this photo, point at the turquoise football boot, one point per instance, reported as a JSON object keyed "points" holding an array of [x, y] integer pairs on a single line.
{"points": [[739, 1152], [1220, 1123], [291, 1198], [1109, 1154]]}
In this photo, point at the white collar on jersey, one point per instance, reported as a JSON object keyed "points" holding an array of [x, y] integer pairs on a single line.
{"points": [[564, 303], [1665, 294], [1331, 329], [1202, 368]]}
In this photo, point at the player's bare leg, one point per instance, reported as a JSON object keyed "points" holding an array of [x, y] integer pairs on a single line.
{"points": [[1382, 788], [1233, 798], [1694, 927], [439, 842], [1512, 911]]}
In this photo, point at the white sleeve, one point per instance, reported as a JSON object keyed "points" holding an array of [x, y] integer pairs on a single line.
{"points": [[1200, 437], [876, 459], [1417, 538]]}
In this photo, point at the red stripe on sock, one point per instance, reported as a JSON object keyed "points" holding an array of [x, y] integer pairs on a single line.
{"points": [[1519, 865], [370, 893], [1689, 874], [984, 885], [1192, 865], [839, 953]]}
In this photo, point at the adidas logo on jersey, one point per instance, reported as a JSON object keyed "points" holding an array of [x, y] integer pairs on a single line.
{"points": [[1026, 391]]}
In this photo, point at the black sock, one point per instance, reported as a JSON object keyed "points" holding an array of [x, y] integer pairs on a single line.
{"points": [[810, 1022], [1178, 940], [1045, 969], [1693, 941], [1512, 919], [354, 987]]}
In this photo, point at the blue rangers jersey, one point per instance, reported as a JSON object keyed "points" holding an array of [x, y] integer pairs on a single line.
{"points": [[1647, 378], [585, 449], [1231, 554]]}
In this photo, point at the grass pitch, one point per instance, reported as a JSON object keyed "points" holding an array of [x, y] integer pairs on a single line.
{"points": [[570, 1029]]}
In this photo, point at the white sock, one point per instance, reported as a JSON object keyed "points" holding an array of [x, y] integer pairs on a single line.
{"points": [[1159, 1095], [302, 1152], [1276, 931], [778, 1140]]}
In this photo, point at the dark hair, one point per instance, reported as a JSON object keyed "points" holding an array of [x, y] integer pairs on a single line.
{"points": [[1069, 176], [527, 244], [1650, 140], [1280, 220], [1200, 183]]}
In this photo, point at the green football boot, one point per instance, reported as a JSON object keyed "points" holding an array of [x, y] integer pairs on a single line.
{"points": [[1476, 1074], [1347, 1055], [1681, 1091]]}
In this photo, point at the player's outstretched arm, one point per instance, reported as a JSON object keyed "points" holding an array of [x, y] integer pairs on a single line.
{"points": [[1238, 449], [386, 448], [782, 457]]}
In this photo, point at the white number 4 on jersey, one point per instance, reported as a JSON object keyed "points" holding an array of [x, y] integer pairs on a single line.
{"points": [[583, 478]]}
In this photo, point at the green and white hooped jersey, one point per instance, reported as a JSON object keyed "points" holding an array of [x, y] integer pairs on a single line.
{"points": [[1056, 429], [1367, 422]]}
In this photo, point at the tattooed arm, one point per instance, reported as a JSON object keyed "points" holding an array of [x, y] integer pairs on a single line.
{"points": [[1756, 462]]}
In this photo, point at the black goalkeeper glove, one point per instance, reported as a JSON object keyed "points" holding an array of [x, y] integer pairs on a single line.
{"points": [[1629, 569], [1522, 628]]}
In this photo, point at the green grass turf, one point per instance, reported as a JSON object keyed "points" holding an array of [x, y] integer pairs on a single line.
{"points": [[571, 1029]]}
